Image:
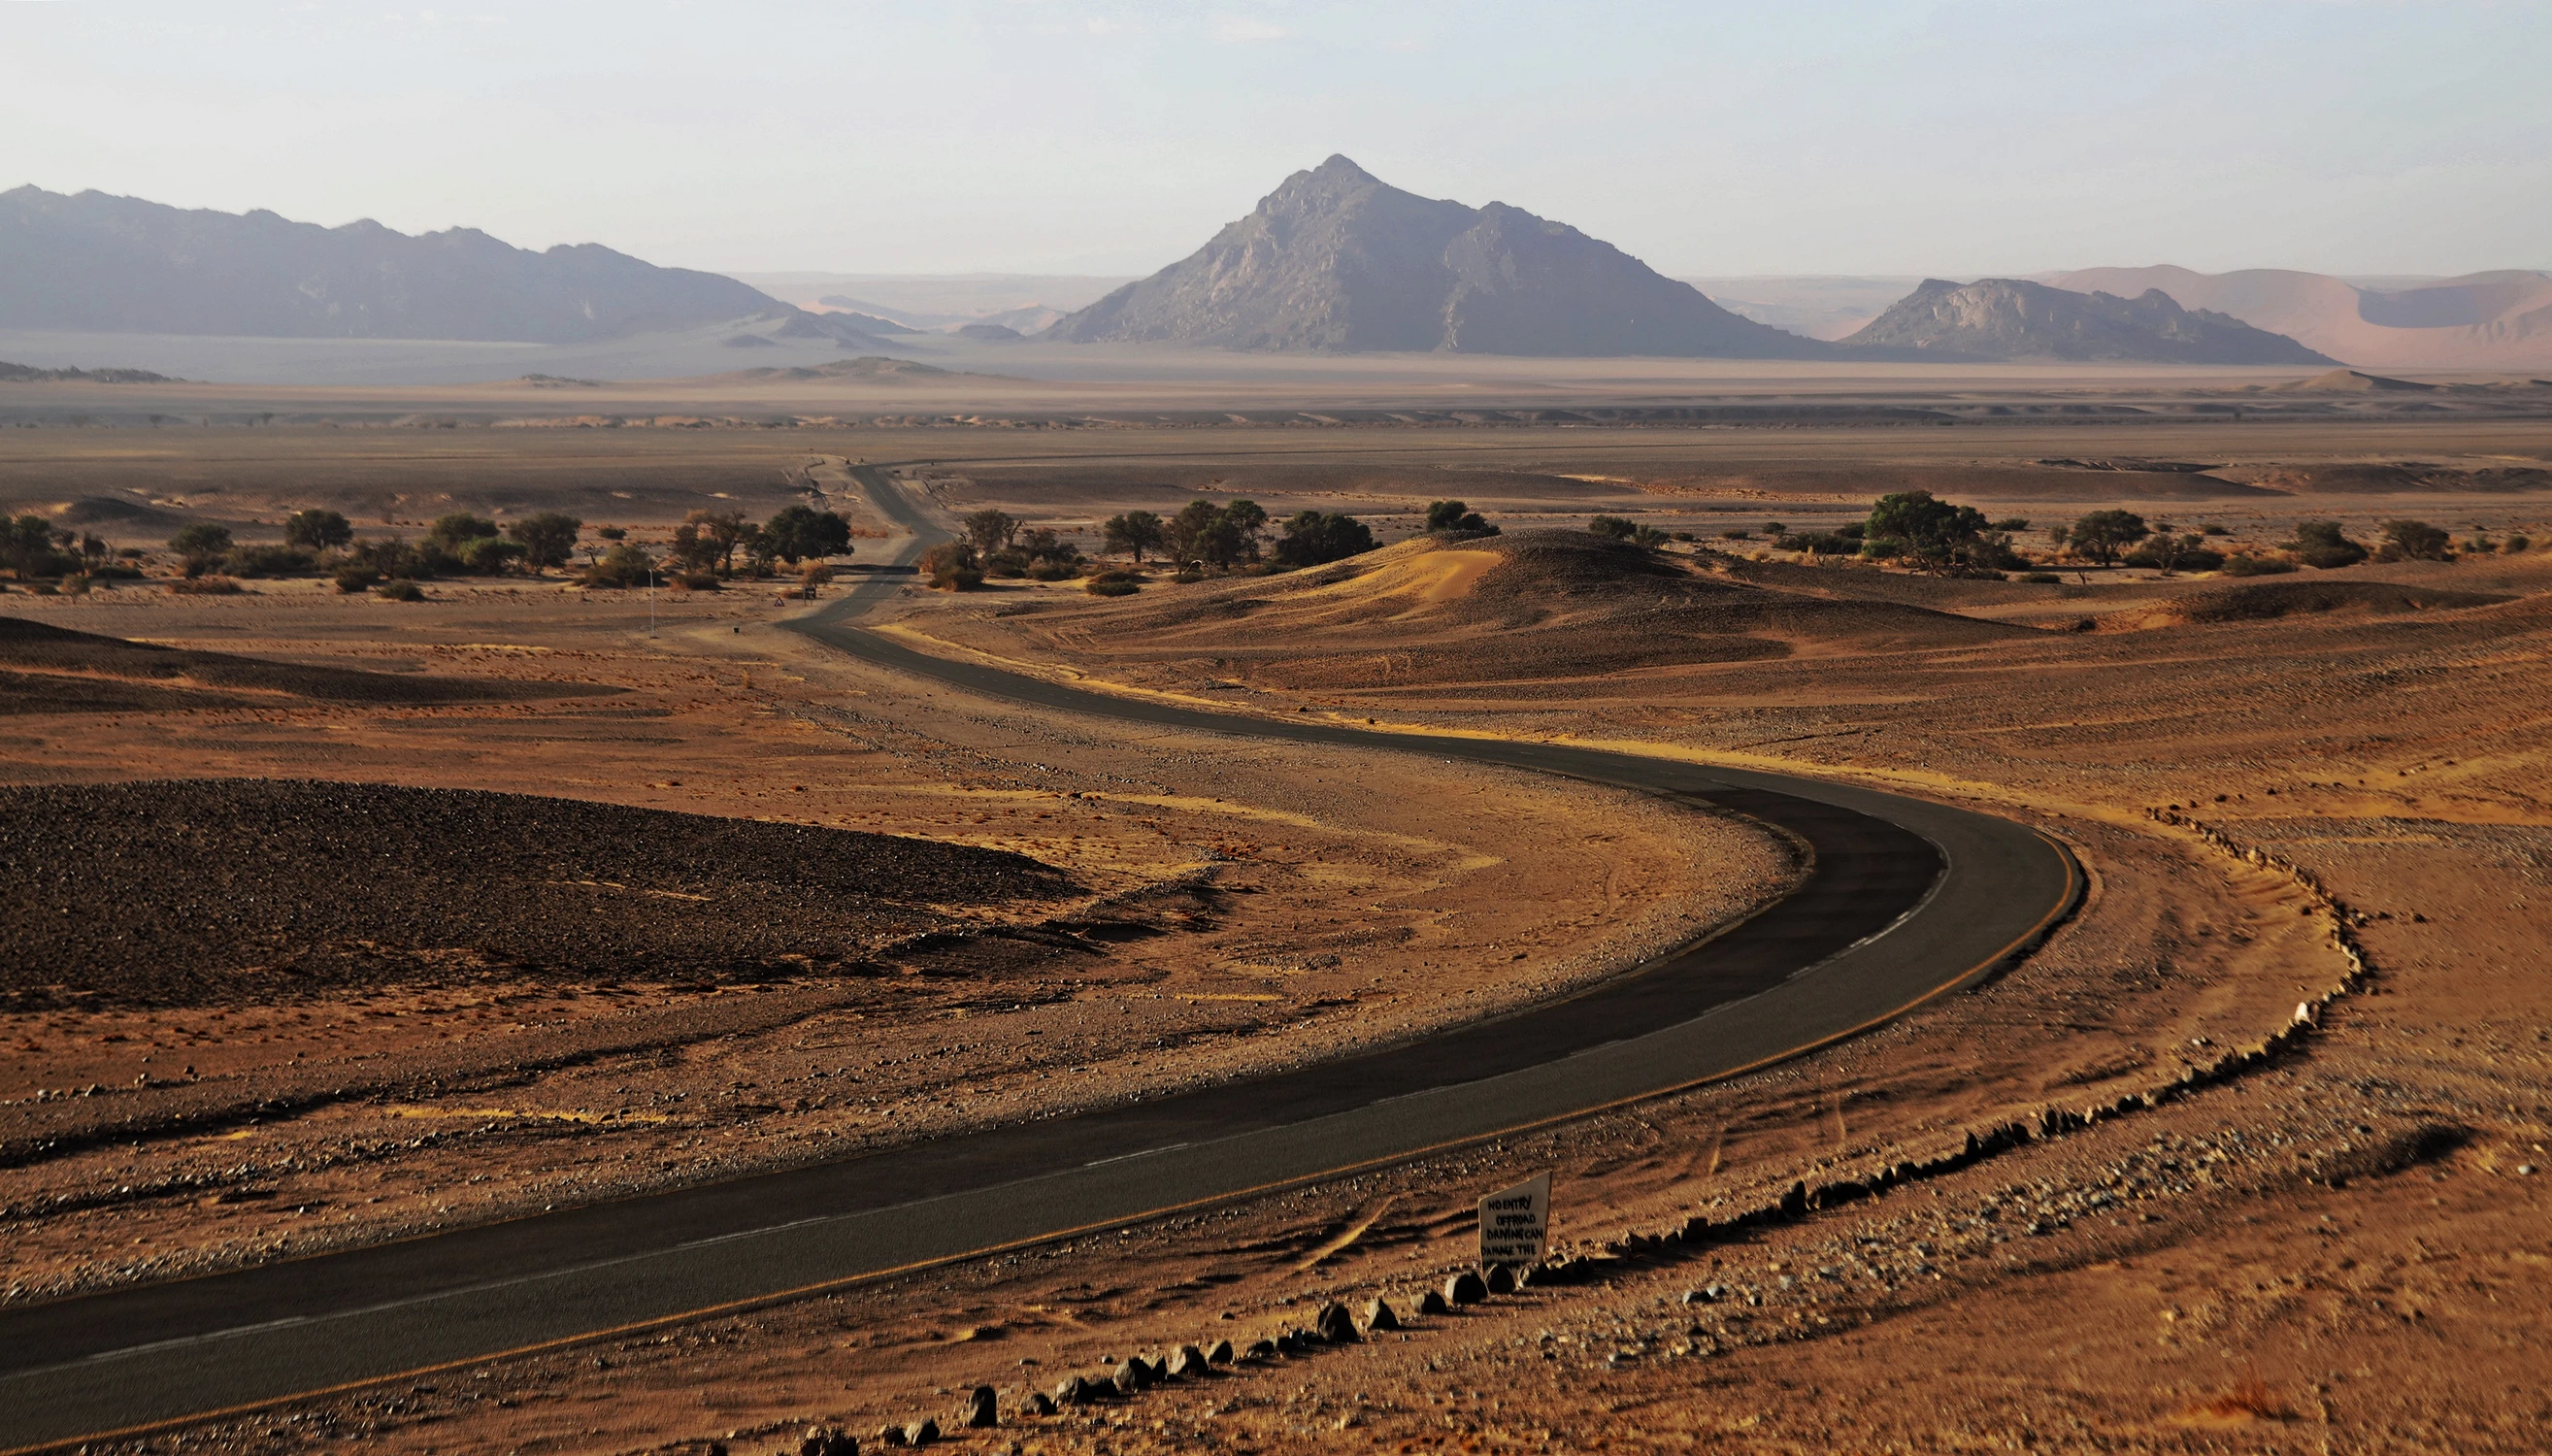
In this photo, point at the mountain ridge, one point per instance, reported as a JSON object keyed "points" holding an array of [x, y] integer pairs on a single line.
{"points": [[97, 262], [2496, 320], [1337, 261], [2014, 319]]}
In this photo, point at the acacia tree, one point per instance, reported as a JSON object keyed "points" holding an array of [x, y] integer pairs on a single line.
{"points": [[2419, 541], [718, 534], [1134, 533], [802, 533], [548, 537], [990, 530], [1313, 539], [317, 530], [2101, 535]]}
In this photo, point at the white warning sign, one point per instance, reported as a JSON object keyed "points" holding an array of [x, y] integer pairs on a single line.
{"points": [[1515, 1224]]}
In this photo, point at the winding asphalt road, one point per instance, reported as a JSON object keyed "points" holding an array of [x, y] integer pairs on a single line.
{"points": [[1906, 901]]}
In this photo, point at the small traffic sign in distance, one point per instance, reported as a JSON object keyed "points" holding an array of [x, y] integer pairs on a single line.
{"points": [[1515, 1224]]}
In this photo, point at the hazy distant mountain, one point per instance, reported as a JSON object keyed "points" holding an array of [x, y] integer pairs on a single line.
{"points": [[1818, 305], [119, 265], [1337, 261], [2012, 319], [2479, 320]]}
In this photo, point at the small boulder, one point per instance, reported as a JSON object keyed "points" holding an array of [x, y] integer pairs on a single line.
{"points": [[1259, 1350], [1378, 1315], [1071, 1390], [982, 1410], [922, 1433], [890, 1435], [1432, 1302], [1465, 1287], [1501, 1280], [1218, 1353], [1039, 1404], [1334, 1324], [1132, 1376], [1186, 1363]]}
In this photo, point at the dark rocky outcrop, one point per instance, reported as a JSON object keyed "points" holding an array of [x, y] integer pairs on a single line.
{"points": [[1337, 261]]}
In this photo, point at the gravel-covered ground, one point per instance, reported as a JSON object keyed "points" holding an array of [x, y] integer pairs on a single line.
{"points": [[195, 891]]}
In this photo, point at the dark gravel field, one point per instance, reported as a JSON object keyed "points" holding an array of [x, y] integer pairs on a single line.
{"points": [[200, 890]]}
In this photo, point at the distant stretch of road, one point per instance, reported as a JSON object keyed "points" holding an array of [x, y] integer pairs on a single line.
{"points": [[1906, 901]]}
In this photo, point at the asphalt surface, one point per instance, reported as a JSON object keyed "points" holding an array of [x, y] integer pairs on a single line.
{"points": [[1907, 899]]}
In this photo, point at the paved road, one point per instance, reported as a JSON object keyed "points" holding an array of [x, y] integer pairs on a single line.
{"points": [[1907, 899]]}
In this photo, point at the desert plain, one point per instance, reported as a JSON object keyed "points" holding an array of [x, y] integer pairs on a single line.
{"points": [[332, 919]]}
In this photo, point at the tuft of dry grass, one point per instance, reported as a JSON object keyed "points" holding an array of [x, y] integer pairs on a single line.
{"points": [[2249, 1399]]}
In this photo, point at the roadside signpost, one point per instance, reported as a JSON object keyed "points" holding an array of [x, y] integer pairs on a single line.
{"points": [[1515, 1224]]}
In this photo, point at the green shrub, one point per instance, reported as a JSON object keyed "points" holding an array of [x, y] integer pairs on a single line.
{"points": [[623, 566], [200, 547], [2167, 552], [2042, 578], [1188, 577], [1456, 517], [357, 577], [695, 581], [267, 561], [2516, 544], [450, 531], [1114, 584], [400, 591], [1819, 543], [1617, 527], [206, 586], [2322, 546]]}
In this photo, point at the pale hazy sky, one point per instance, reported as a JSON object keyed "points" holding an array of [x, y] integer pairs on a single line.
{"points": [[2347, 136]]}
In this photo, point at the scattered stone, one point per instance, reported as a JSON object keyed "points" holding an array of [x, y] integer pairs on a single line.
{"points": [[1072, 1390], [1378, 1315], [1260, 1350], [1039, 1404], [1187, 1361], [1432, 1302], [1218, 1353], [1132, 1376], [922, 1433], [829, 1442], [890, 1435], [981, 1410], [1465, 1287], [1501, 1280]]}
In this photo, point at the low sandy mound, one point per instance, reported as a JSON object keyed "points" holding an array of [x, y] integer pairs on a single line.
{"points": [[2408, 477], [59, 671], [2264, 601], [1543, 604], [197, 890]]}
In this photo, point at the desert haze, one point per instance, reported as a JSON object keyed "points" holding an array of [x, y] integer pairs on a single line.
{"points": [[1365, 821]]}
